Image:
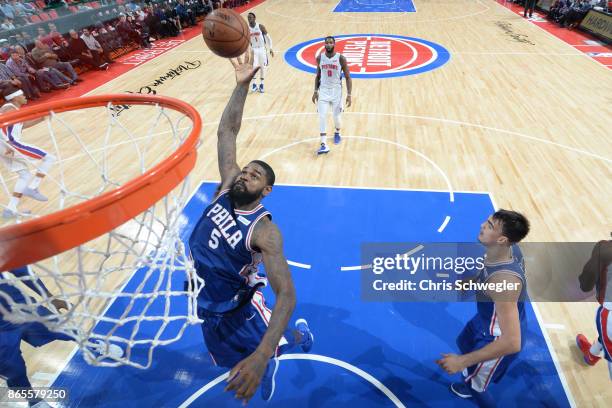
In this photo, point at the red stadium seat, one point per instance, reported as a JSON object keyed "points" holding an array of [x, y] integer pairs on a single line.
{"points": [[41, 4], [53, 14], [35, 19], [44, 16]]}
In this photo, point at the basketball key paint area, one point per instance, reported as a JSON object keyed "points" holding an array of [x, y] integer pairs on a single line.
{"points": [[375, 6], [373, 55], [395, 343]]}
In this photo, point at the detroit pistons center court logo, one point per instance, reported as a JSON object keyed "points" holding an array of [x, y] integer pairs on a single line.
{"points": [[374, 55]]}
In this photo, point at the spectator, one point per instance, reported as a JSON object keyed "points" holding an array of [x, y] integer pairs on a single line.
{"points": [[166, 27], [142, 31], [7, 9], [20, 41], [153, 23], [563, 10], [78, 49], [95, 47], [44, 37], [27, 42], [529, 6], [8, 24], [46, 58], [172, 17], [185, 14], [4, 48], [575, 15], [55, 35], [109, 39], [23, 9], [125, 30], [208, 6], [46, 78], [132, 7], [21, 81]]}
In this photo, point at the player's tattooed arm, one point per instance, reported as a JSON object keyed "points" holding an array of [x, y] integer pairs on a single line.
{"points": [[315, 95], [245, 377], [349, 81], [600, 256], [231, 120], [268, 239]]}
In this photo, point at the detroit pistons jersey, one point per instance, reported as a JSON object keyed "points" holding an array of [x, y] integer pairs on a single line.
{"points": [[604, 287], [331, 71], [486, 318], [256, 36], [12, 133], [220, 246]]}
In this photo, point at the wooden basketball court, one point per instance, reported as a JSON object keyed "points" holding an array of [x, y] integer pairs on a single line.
{"points": [[515, 112]]}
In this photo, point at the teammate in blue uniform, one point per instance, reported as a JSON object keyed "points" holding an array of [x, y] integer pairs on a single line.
{"points": [[234, 234], [12, 365], [492, 339]]}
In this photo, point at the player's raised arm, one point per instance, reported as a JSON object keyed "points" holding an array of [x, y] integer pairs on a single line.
{"points": [[229, 126], [349, 81], [315, 95], [246, 375]]}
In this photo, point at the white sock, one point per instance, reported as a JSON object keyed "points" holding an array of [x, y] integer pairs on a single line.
{"points": [[324, 138], [21, 184], [36, 181], [596, 348]]}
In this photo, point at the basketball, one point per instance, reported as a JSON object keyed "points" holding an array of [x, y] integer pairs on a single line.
{"points": [[226, 33]]}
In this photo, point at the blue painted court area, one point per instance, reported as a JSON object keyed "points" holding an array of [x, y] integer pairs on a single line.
{"points": [[375, 6], [391, 343]]}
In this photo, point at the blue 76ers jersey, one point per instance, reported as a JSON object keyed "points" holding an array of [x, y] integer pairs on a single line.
{"points": [[486, 319], [220, 247], [10, 291]]}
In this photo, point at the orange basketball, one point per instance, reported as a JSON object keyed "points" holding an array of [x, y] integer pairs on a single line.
{"points": [[226, 33]]}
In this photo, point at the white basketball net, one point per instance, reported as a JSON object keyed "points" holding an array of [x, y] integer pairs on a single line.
{"points": [[133, 287]]}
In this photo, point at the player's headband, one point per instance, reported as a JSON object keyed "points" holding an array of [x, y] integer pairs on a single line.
{"points": [[12, 96]]}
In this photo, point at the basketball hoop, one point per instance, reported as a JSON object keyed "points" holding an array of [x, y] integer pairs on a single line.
{"points": [[98, 230]]}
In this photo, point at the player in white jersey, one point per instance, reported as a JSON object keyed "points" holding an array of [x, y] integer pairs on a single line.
{"points": [[597, 273], [260, 43], [328, 89], [14, 154]]}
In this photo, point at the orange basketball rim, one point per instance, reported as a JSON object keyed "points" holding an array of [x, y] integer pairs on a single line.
{"points": [[43, 237]]}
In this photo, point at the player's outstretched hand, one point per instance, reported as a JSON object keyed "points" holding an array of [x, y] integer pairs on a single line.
{"points": [[245, 377], [243, 65], [348, 101], [272, 53], [315, 97]]}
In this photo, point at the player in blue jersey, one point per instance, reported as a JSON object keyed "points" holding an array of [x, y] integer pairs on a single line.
{"points": [[234, 234], [12, 365], [492, 339]]}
